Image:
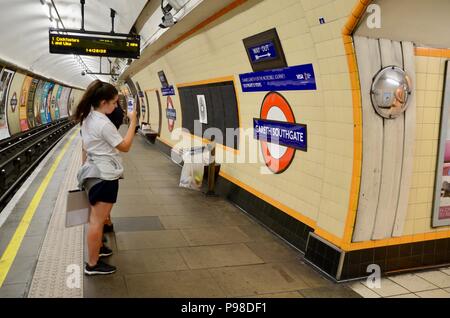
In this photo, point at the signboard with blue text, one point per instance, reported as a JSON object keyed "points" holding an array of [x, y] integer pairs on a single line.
{"points": [[282, 133], [294, 78], [263, 52], [278, 132], [171, 113], [168, 91]]}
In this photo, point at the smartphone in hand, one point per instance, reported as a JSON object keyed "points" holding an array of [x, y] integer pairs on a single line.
{"points": [[130, 104]]}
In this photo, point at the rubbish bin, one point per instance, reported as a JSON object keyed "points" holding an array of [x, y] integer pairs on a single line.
{"points": [[195, 159]]}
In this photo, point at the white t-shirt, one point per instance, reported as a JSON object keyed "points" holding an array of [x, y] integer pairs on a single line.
{"points": [[100, 139], [100, 136]]}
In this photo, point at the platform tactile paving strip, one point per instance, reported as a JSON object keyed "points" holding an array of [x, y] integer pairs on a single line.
{"points": [[59, 271]]}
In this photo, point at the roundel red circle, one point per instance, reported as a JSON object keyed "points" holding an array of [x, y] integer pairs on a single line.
{"points": [[276, 107], [170, 122]]}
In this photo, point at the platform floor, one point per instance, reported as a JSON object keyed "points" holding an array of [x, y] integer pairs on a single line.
{"points": [[168, 242], [175, 242]]}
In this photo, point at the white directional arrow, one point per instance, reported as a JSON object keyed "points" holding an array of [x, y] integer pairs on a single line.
{"points": [[261, 56]]}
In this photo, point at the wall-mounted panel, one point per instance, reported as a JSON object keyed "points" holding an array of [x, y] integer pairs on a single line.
{"points": [[221, 110], [23, 103]]}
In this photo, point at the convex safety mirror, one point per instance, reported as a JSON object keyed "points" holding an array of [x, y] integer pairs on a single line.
{"points": [[390, 92]]}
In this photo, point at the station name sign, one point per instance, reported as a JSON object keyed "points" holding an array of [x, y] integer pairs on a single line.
{"points": [[283, 133], [171, 113], [168, 91], [94, 45]]}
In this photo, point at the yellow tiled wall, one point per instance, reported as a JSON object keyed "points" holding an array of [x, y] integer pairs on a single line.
{"points": [[430, 84], [317, 184]]}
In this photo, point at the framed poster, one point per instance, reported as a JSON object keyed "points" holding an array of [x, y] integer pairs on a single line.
{"points": [[441, 206], [202, 112]]}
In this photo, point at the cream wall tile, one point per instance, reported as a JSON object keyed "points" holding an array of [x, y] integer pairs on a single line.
{"points": [[421, 80], [432, 81], [408, 229], [421, 64], [434, 66], [422, 225], [422, 210], [342, 8], [332, 225]]}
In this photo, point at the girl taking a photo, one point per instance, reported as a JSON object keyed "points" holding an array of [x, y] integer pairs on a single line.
{"points": [[100, 173]]}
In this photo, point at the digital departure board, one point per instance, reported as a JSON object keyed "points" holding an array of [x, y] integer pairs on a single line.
{"points": [[94, 46]]}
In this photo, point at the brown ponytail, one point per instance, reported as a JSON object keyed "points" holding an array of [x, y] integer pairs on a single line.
{"points": [[96, 92]]}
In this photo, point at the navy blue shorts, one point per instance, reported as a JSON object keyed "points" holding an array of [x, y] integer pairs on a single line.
{"points": [[105, 191]]}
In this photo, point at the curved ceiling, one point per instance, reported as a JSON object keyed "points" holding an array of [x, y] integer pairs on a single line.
{"points": [[24, 35]]}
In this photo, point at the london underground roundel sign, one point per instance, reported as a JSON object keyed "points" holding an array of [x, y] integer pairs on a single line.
{"points": [[278, 132], [170, 111]]}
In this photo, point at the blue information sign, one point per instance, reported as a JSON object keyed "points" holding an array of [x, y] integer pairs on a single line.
{"points": [[263, 52], [294, 78], [171, 113], [283, 133], [168, 91]]}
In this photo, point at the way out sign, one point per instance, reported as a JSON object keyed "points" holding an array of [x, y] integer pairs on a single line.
{"points": [[263, 52]]}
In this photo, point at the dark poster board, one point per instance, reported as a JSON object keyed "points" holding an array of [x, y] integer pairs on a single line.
{"points": [[264, 51], [222, 109]]}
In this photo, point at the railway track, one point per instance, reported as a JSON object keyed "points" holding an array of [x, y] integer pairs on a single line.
{"points": [[20, 154]]}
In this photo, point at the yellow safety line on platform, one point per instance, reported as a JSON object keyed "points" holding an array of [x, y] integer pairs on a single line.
{"points": [[13, 247]]}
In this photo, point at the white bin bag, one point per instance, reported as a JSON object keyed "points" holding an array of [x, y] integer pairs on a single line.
{"points": [[192, 172]]}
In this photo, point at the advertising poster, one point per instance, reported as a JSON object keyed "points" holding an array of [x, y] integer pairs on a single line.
{"points": [[30, 103], [43, 105], [5, 81], [23, 103], [50, 101], [71, 106], [441, 209], [64, 102], [58, 101], [37, 102]]}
